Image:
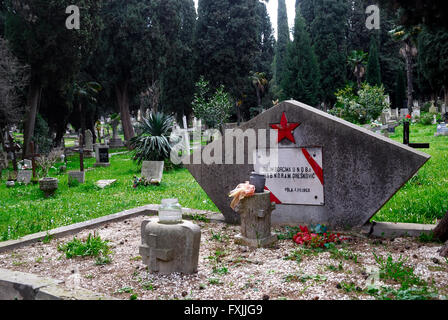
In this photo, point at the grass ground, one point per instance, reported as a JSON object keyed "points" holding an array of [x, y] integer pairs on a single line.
{"points": [[425, 197], [24, 210]]}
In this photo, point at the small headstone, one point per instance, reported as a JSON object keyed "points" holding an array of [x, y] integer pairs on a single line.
{"points": [[102, 156], [105, 183], [10, 184], [442, 130], [88, 140], [79, 176], [24, 176], [432, 108], [404, 112], [28, 164], [416, 113]]}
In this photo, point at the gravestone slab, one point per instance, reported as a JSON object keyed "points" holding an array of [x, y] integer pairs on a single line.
{"points": [[104, 183], [79, 176], [24, 176], [88, 140], [102, 156], [359, 170], [442, 130]]}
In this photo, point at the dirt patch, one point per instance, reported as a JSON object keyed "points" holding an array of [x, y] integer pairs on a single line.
{"points": [[230, 271]]}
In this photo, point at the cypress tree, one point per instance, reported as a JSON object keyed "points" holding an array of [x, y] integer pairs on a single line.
{"points": [[266, 41], [307, 10], [226, 43], [328, 32], [177, 83], [302, 77], [373, 73], [283, 40]]}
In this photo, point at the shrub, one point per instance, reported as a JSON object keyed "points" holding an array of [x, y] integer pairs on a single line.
{"points": [[362, 108], [152, 143], [92, 246], [426, 119], [214, 110]]}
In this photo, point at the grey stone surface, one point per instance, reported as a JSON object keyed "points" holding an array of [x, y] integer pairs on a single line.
{"points": [[442, 130], [361, 170], [105, 183], [255, 212], [152, 170], [24, 176], [79, 176], [102, 155], [21, 286], [392, 230], [15, 285], [88, 145], [168, 248]]}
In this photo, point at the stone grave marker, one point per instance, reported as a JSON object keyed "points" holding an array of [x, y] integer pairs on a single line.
{"points": [[404, 112], [102, 156], [329, 171], [88, 147], [105, 183], [442, 130], [24, 176]]}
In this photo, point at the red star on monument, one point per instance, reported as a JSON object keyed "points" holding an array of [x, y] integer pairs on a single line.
{"points": [[285, 129]]}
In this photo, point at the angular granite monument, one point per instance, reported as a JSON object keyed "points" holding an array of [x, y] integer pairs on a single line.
{"points": [[329, 171]]}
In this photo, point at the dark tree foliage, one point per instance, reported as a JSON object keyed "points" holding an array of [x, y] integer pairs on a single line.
{"points": [[328, 32], [414, 12], [283, 40], [307, 10], [178, 79], [373, 73], [38, 36], [433, 59], [226, 43], [136, 42], [301, 81], [266, 43]]}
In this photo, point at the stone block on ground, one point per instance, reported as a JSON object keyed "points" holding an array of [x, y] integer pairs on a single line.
{"points": [[79, 176], [168, 248], [255, 212], [24, 176], [105, 183]]}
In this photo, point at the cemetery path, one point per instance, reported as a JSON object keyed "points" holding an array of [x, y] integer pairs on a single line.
{"points": [[229, 271]]}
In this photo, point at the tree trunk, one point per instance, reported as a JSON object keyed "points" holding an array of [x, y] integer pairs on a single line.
{"points": [[441, 231], [121, 91], [82, 119], [408, 57], [32, 109]]}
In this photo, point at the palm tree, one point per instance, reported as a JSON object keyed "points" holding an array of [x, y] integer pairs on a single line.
{"points": [[408, 36], [260, 82], [357, 61]]}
